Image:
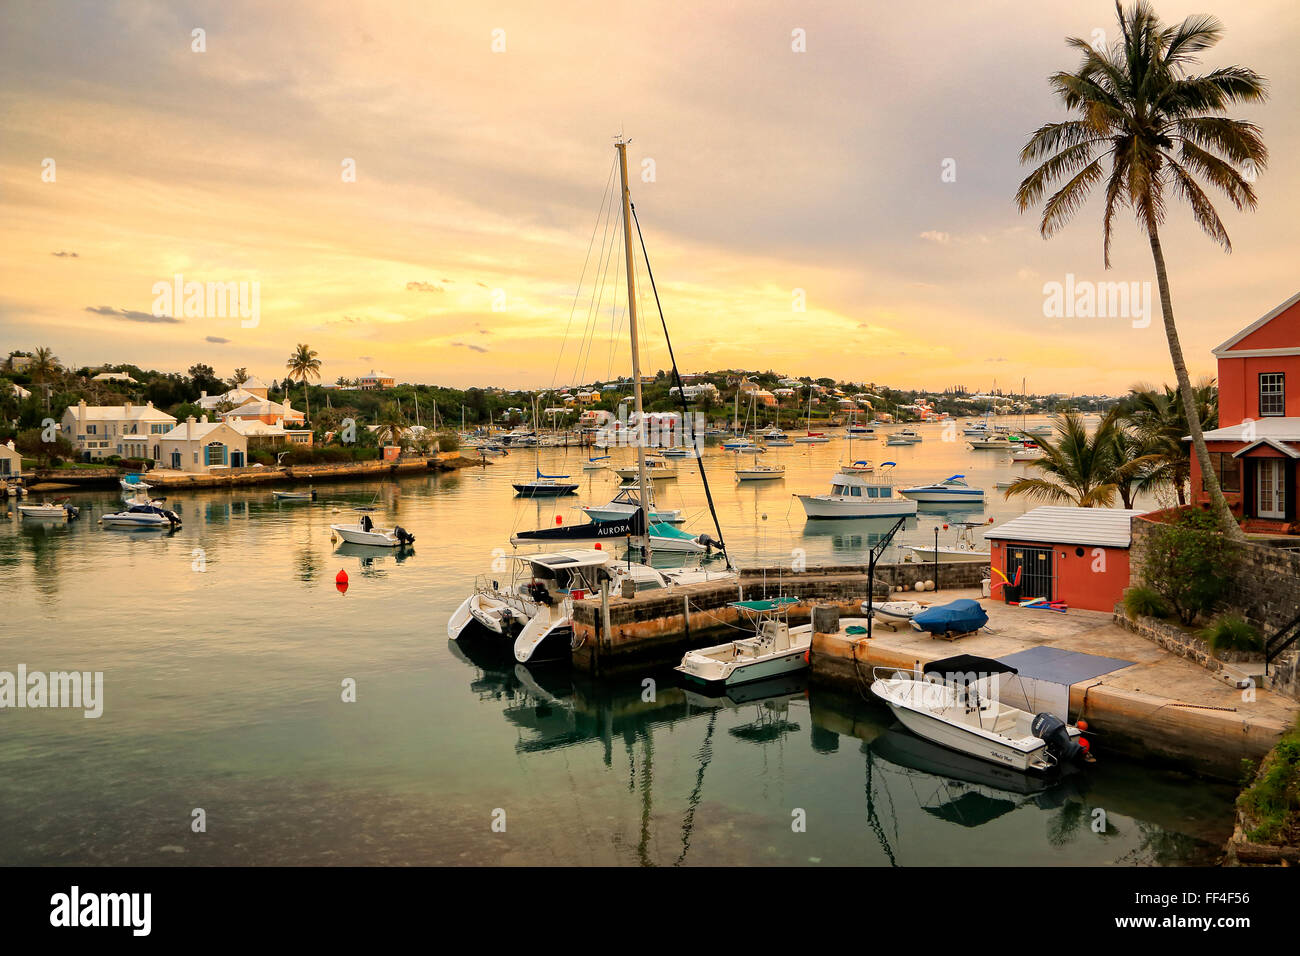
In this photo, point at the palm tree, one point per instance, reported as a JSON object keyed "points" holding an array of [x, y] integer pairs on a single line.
{"points": [[1155, 128], [44, 366], [302, 365], [1159, 417], [392, 426], [1081, 468]]}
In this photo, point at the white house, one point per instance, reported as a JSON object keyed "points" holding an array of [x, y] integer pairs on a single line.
{"points": [[130, 431], [202, 446], [11, 462], [693, 392], [253, 389]]}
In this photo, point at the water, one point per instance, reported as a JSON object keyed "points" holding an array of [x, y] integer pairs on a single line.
{"points": [[223, 692]]}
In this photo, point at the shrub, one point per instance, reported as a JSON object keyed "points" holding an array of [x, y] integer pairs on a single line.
{"points": [[1272, 804], [1232, 633], [1142, 601], [448, 441], [1190, 564]]}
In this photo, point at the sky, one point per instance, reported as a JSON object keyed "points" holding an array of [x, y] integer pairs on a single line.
{"points": [[415, 187]]}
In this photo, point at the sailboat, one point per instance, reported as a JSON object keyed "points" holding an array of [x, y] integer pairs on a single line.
{"points": [[545, 486], [812, 437]]}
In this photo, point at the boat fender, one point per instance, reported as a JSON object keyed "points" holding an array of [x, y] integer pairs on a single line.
{"points": [[1052, 730]]}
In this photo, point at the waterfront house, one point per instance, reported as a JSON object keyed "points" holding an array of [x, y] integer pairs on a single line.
{"points": [[1079, 556], [375, 381], [1255, 449], [266, 411], [11, 462], [129, 431], [202, 446]]}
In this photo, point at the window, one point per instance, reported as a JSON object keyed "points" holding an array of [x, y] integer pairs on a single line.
{"points": [[216, 454], [90, 429], [1227, 469], [1272, 393]]}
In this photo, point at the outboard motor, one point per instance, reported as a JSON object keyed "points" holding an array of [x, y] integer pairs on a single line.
{"points": [[173, 517], [1050, 728], [709, 543], [403, 536]]}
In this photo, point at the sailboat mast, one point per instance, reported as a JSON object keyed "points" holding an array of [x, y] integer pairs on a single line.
{"points": [[643, 496]]}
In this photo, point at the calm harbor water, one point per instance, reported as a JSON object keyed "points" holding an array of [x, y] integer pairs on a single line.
{"points": [[223, 692]]}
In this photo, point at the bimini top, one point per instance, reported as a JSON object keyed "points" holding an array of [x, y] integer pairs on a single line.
{"points": [[567, 559], [967, 664], [771, 604]]}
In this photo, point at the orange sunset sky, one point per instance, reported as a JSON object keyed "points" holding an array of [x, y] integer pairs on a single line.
{"points": [[478, 170]]}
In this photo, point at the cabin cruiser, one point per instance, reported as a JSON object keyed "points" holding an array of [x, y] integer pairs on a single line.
{"points": [[142, 515], [956, 702], [365, 531], [627, 503], [1029, 451], [963, 549], [898, 438], [859, 496], [991, 443], [655, 467], [531, 617], [759, 472], [952, 489]]}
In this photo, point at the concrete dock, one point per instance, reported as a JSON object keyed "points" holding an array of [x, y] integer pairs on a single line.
{"points": [[1161, 706]]}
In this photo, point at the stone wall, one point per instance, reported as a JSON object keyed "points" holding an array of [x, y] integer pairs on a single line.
{"points": [[1265, 590]]}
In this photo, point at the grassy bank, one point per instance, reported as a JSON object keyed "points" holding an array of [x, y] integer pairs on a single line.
{"points": [[1270, 806]]}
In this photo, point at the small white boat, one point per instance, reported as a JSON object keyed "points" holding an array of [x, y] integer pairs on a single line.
{"points": [[992, 443], [133, 482], [892, 612], [366, 532], [594, 464], [898, 439], [49, 511], [1006, 483], [741, 444], [656, 467], [294, 495], [142, 515], [859, 496], [1028, 452], [956, 702], [757, 472], [911, 434], [773, 649], [964, 548], [952, 489], [1038, 430], [812, 438], [859, 467]]}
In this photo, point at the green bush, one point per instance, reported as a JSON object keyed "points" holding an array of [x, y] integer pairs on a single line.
{"points": [[448, 441], [1142, 601], [1232, 633], [1271, 805], [1190, 564]]}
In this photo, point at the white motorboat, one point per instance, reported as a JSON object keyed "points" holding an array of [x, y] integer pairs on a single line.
{"points": [[956, 702], [898, 439], [627, 503], [859, 496], [656, 467], [1038, 430], [965, 548], [1005, 483], [366, 532], [911, 434], [142, 515], [1029, 451], [952, 489], [992, 443], [49, 511], [133, 482], [977, 430], [859, 467], [773, 649]]}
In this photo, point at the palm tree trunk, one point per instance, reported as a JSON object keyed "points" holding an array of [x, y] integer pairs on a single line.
{"points": [[306, 398], [1222, 513]]}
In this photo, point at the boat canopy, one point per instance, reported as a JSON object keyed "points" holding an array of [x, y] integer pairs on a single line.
{"points": [[966, 664], [771, 604]]}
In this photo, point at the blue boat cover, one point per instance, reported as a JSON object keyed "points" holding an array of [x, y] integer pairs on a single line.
{"points": [[955, 618]]}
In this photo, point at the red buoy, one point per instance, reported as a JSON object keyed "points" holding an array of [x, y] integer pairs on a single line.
{"points": [[1082, 725], [1083, 742], [597, 545], [341, 581], [559, 519]]}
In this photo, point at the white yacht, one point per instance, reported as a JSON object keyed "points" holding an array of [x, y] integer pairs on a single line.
{"points": [[656, 467], [859, 496], [142, 515], [627, 503], [952, 490]]}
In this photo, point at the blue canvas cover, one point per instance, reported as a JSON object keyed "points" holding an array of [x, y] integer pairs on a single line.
{"points": [[955, 618]]}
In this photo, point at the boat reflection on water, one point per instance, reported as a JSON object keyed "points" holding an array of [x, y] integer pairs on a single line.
{"points": [[853, 536], [371, 560]]}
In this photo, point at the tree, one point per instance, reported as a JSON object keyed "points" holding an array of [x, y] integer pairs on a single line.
{"points": [[44, 366], [240, 377], [1160, 128], [1158, 416], [1189, 565], [302, 365], [1080, 468], [392, 426]]}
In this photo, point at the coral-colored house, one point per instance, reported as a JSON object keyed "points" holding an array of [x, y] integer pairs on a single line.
{"points": [[1257, 444]]}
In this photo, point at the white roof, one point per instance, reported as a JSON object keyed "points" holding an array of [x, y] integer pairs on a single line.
{"points": [[1052, 524], [253, 426], [190, 432], [262, 406], [236, 396], [578, 557], [100, 413], [1276, 428]]}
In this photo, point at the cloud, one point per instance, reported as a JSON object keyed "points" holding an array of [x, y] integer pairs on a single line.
{"points": [[65, 255], [423, 287], [216, 340], [465, 345], [131, 315], [931, 235]]}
